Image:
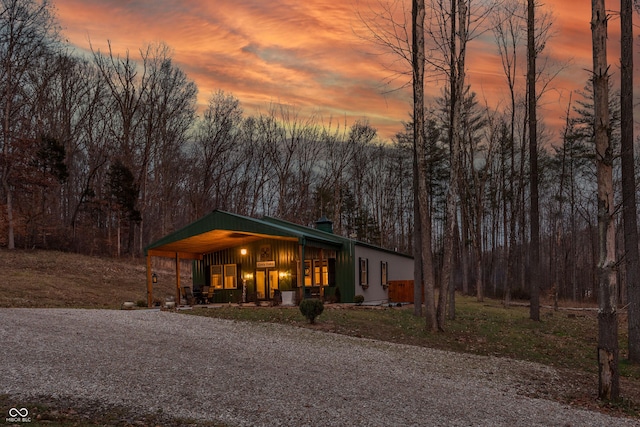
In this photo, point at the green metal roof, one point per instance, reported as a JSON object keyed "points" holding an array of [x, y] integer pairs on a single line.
{"points": [[220, 230], [309, 233]]}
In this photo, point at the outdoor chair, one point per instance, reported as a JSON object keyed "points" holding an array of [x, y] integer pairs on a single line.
{"points": [[210, 292], [188, 295], [204, 295]]}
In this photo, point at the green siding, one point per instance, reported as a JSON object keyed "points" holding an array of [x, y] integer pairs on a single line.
{"points": [[284, 254], [198, 273], [345, 272]]}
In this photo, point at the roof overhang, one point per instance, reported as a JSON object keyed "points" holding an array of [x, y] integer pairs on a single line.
{"points": [[221, 230], [211, 241]]}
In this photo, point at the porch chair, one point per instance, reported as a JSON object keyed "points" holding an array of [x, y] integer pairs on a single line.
{"points": [[188, 295], [201, 294], [204, 295], [210, 292]]}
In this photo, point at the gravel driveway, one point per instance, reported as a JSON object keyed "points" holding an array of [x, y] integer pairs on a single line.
{"points": [[265, 374]]}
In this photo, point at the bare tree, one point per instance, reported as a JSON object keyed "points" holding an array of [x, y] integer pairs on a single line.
{"points": [[534, 261], [361, 136], [127, 85], [507, 30], [451, 27], [27, 31], [480, 139], [608, 293], [252, 173], [423, 208], [168, 112], [630, 218], [216, 138], [387, 29], [339, 154]]}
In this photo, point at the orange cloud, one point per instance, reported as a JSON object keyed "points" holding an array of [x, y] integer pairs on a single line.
{"points": [[306, 53]]}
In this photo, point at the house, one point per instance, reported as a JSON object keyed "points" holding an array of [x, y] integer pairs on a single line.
{"points": [[242, 259]]}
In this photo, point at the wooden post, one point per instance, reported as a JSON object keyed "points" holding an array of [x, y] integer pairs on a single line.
{"points": [[321, 291], [301, 276], [177, 279], [149, 283]]}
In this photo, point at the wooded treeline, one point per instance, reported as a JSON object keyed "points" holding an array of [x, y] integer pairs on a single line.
{"points": [[103, 154]]}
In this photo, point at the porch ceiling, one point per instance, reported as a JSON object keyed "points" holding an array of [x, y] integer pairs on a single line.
{"points": [[211, 241]]}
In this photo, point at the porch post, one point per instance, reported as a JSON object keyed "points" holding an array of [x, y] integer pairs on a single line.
{"points": [[177, 279], [301, 276], [321, 261], [149, 283]]}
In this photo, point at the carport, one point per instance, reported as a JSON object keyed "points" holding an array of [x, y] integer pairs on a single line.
{"points": [[223, 232]]}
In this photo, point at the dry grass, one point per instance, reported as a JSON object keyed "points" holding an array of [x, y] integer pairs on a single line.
{"points": [[57, 279]]}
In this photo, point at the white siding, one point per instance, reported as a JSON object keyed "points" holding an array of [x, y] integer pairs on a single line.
{"points": [[399, 267]]}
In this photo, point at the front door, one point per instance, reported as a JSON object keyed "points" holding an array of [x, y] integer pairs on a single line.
{"points": [[266, 283]]}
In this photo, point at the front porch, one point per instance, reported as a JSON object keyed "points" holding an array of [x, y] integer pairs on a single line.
{"points": [[236, 259]]}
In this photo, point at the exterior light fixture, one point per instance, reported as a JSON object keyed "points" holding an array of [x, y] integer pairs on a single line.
{"points": [[154, 278], [243, 251]]}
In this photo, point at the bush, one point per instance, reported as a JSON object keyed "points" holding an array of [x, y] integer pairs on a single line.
{"points": [[358, 299], [311, 308]]}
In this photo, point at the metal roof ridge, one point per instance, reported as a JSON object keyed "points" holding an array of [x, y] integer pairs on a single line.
{"points": [[310, 231]]}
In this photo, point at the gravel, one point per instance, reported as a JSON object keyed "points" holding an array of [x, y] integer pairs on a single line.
{"points": [[245, 374]]}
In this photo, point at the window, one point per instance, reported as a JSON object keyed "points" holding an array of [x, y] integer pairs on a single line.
{"points": [[230, 276], [383, 273], [321, 272], [364, 267], [216, 276]]}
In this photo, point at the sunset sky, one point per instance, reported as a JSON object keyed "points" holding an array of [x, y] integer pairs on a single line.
{"points": [[307, 54]]}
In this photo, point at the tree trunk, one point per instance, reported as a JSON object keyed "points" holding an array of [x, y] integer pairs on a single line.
{"points": [[418, 280], [451, 309], [7, 167], [418, 14], [628, 179], [607, 305], [534, 252], [7, 188], [457, 46], [464, 256], [478, 246]]}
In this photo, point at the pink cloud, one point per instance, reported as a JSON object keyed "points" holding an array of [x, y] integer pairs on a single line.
{"points": [[304, 53]]}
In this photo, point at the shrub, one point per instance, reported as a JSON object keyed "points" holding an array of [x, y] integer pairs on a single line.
{"points": [[358, 299], [311, 308]]}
